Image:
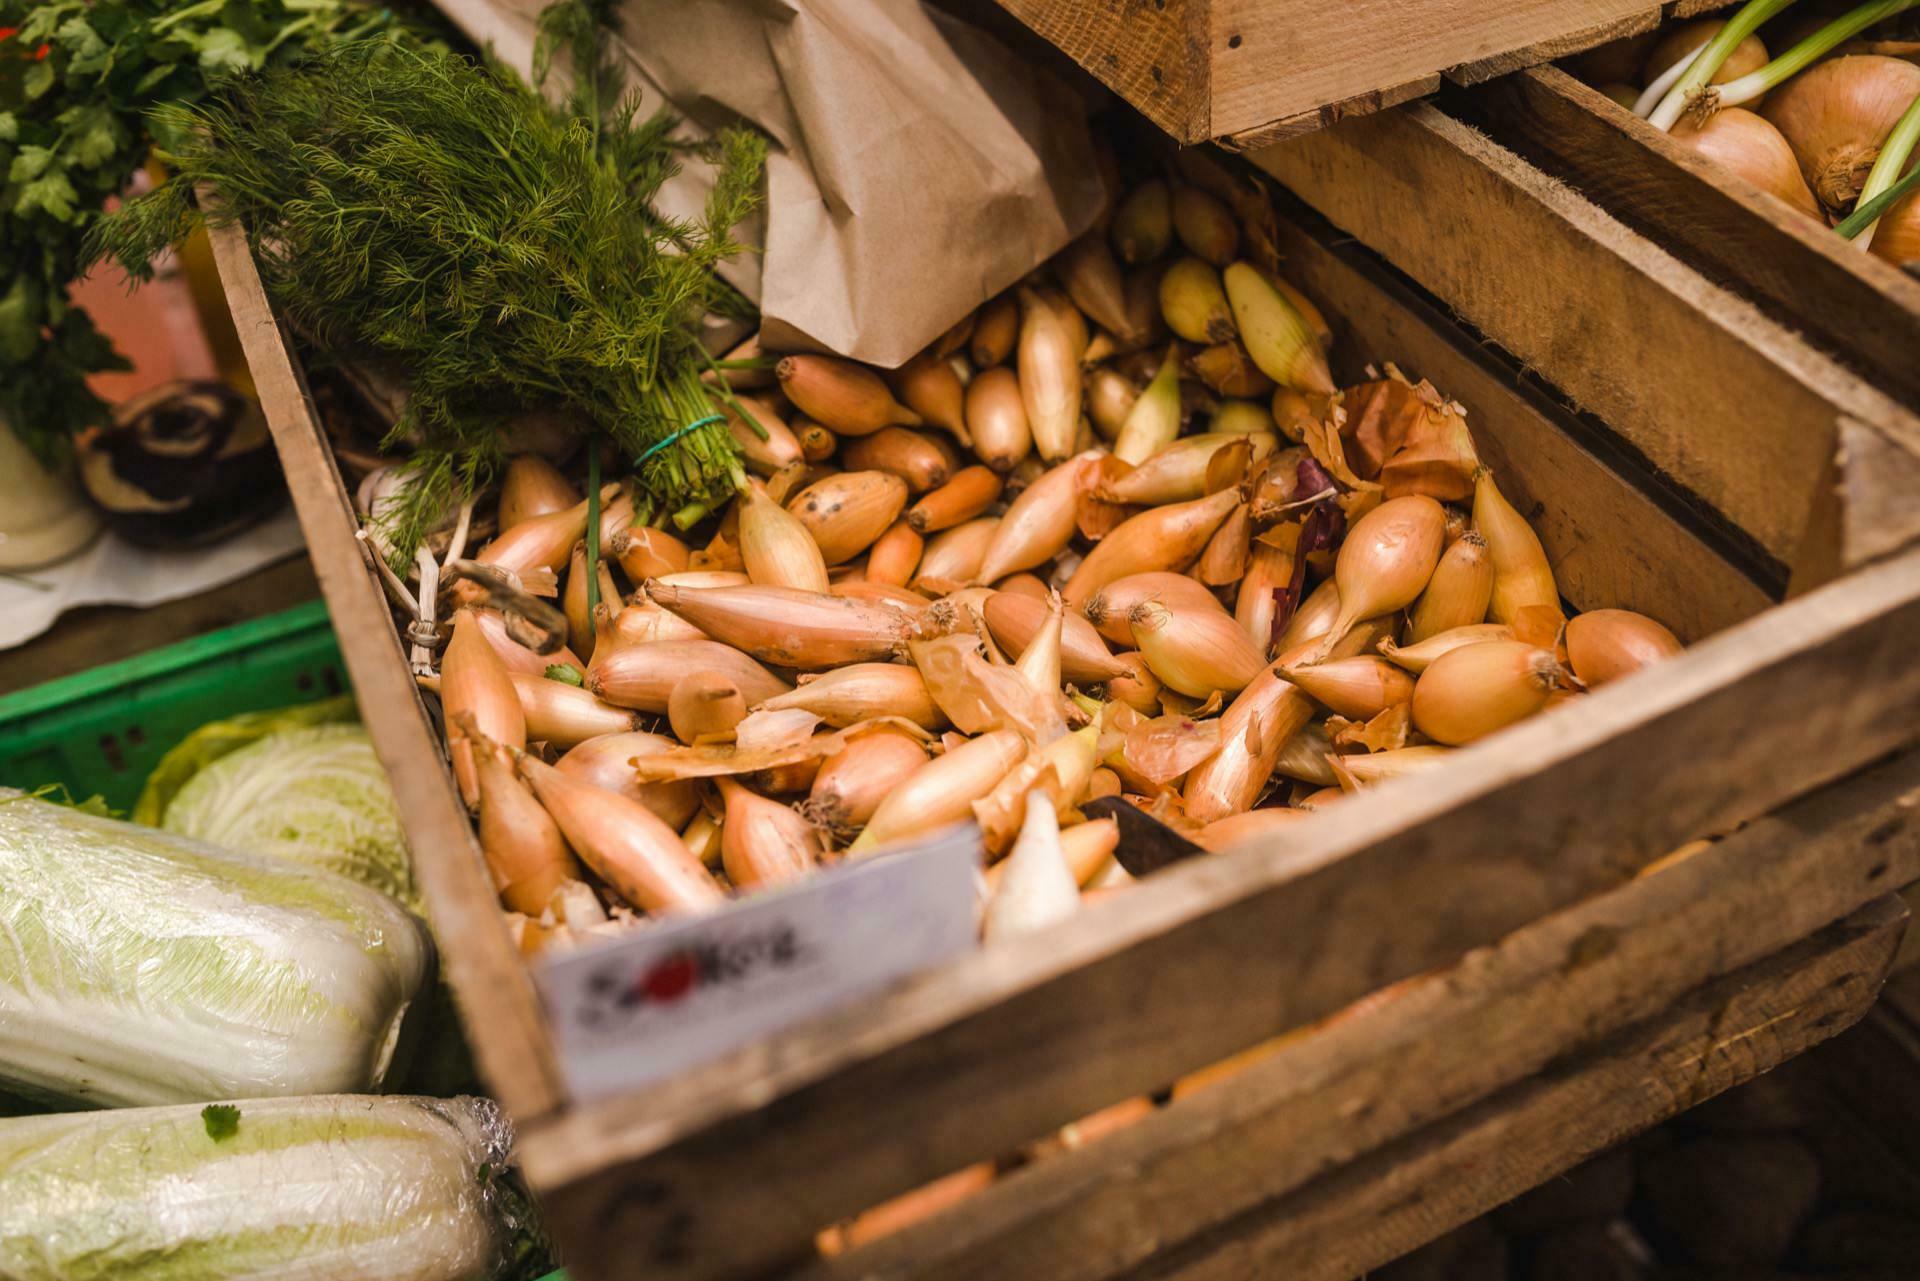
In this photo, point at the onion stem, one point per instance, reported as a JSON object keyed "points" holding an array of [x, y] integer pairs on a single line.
{"points": [[1891, 160], [1868, 212], [1798, 58], [1702, 69], [1657, 91]]}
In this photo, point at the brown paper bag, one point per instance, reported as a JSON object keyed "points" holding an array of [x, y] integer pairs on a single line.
{"points": [[917, 167]]}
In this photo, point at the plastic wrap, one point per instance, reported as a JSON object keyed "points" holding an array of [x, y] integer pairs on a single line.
{"points": [[315, 796], [141, 967], [330, 1188]]}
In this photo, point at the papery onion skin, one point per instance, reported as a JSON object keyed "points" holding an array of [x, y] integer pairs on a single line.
{"points": [[1605, 644]]}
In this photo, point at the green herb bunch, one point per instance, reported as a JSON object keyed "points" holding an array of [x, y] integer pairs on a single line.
{"points": [[76, 80], [409, 203]]}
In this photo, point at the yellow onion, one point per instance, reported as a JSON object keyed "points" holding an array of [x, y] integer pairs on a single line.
{"points": [[705, 705], [607, 762], [565, 715], [1310, 312], [1110, 398], [1242, 418], [1024, 585], [1358, 688], [517, 657], [1092, 279], [1387, 559], [1228, 368], [789, 628], [996, 327], [846, 512], [1459, 592], [1470, 692], [1745, 143], [1836, 114], [955, 555], [702, 838], [1278, 337], [1369, 768], [476, 689], [525, 853], [1088, 848], [1269, 569], [924, 462], [1143, 223], [1037, 889], [1315, 617], [1015, 620], [1110, 609], [1038, 661], [763, 842], [1195, 651], [1605, 644], [929, 387], [1684, 39], [1416, 658], [643, 622], [1038, 524], [1238, 828], [1178, 471], [1205, 225], [1154, 420], [543, 543], [1194, 303], [1896, 237], [817, 444], [970, 492], [907, 602], [942, 792], [763, 455], [854, 780], [1141, 290], [533, 487], [574, 599], [1159, 538], [861, 692], [1138, 688], [997, 418], [1075, 324], [1049, 365], [704, 578], [895, 555], [643, 676], [645, 552], [845, 398], [1253, 729], [776, 546], [626, 845], [1322, 798], [1521, 574]]}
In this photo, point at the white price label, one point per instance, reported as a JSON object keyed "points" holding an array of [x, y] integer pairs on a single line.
{"points": [[686, 991]]}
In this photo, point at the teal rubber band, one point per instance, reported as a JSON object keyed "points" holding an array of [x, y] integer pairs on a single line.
{"points": [[657, 446]]}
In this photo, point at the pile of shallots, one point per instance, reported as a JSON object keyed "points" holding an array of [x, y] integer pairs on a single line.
{"points": [[1119, 532]]}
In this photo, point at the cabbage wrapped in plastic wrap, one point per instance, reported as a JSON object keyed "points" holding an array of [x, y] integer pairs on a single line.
{"points": [[141, 967], [332, 1188], [316, 796]]}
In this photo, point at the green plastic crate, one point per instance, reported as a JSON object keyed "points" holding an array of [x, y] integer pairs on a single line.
{"points": [[102, 731]]}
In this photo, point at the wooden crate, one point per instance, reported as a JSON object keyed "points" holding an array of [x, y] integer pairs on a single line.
{"points": [[1580, 1000], [1852, 303], [1247, 72]]}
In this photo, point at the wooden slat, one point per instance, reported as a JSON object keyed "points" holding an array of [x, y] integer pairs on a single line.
{"points": [[1392, 1066], [1153, 53], [1850, 302], [1405, 1195], [511, 1044], [1610, 542], [1722, 400], [969, 1062]]}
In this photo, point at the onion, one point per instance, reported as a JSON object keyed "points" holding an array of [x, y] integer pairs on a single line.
{"points": [[1205, 225], [1092, 279], [854, 780], [788, 628], [629, 848], [645, 552], [705, 705], [1378, 767], [563, 715], [971, 491], [775, 545], [895, 555], [931, 388], [846, 398], [1236, 828], [1521, 575], [1470, 692], [845, 513], [1754, 149], [924, 462], [1110, 398], [1154, 420], [1228, 368], [543, 543], [643, 622], [942, 792], [1143, 223], [1685, 39], [607, 762], [1896, 237], [643, 676], [1037, 525], [762, 842], [1605, 644], [1835, 116], [1224, 562], [1282, 342], [1387, 559], [767, 454], [525, 852], [1416, 658], [1315, 617], [1196, 651], [954, 556], [1358, 688], [1139, 688], [997, 418], [1269, 569], [1459, 592], [996, 327], [1304, 756], [533, 487], [517, 657], [1110, 608], [1177, 472], [1049, 364], [1015, 620], [861, 692], [1159, 538], [817, 444], [476, 689], [1194, 304], [573, 599], [1038, 887]]}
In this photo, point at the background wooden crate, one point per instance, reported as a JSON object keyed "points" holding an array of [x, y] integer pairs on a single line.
{"points": [[1517, 866], [1247, 72]]}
